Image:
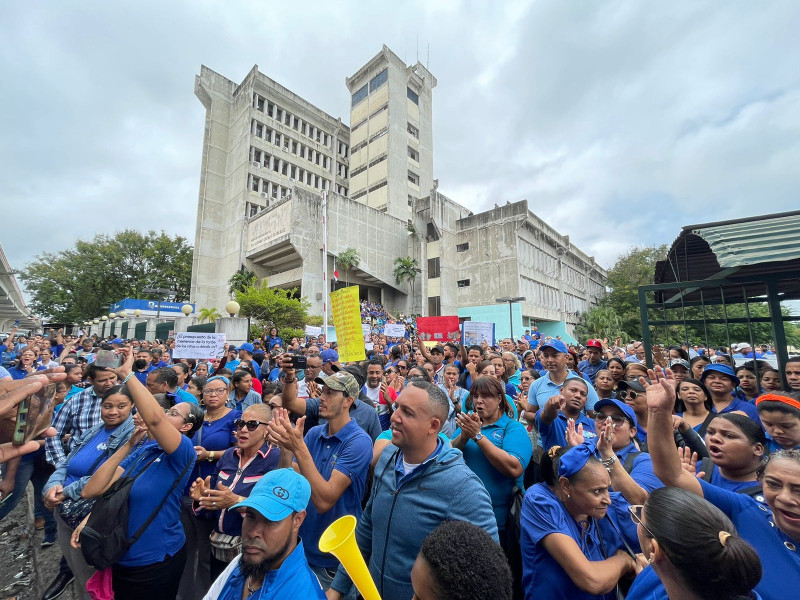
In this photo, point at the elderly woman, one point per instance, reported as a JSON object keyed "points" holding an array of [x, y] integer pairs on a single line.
{"points": [[236, 473], [152, 566], [572, 545], [62, 492]]}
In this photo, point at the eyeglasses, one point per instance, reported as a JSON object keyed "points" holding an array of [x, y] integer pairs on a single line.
{"points": [[174, 412], [274, 405], [251, 425], [625, 394], [215, 391], [402, 367], [636, 511], [616, 419]]}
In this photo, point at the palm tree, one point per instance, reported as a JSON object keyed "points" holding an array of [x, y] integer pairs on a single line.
{"points": [[349, 260], [406, 269], [208, 314]]}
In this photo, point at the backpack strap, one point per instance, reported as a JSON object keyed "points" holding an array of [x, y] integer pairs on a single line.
{"points": [[708, 467], [629, 460], [152, 516]]}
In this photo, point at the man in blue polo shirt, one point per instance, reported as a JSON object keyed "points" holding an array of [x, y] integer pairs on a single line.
{"points": [[334, 457], [551, 420], [554, 360], [594, 361], [272, 564]]}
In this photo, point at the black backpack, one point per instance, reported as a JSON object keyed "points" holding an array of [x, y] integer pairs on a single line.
{"points": [[104, 539]]}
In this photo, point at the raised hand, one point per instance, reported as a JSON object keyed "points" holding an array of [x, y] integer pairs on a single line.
{"points": [[574, 435], [200, 488], [689, 462], [660, 389], [605, 438]]}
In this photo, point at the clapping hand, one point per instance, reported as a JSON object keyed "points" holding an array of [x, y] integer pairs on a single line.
{"points": [[283, 434], [218, 499], [605, 438], [200, 488], [469, 423]]}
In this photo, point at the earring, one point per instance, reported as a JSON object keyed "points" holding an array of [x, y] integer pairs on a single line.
{"points": [[569, 496]]}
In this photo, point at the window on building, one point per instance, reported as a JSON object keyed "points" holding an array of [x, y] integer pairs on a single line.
{"points": [[254, 183], [463, 283], [378, 186], [413, 131], [360, 95], [378, 80], [413, 178], [435, 306], [462, 247], [413, 154], [433, 268], [412, 95]]}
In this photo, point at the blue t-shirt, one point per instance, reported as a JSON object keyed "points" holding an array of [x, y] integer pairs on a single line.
{"points": [[723, 482], [642, 471], [509, 436], [217, 435], [543, 389], [742, 405], [81, 464], [589, 370], [4, 373], [165, 534], [544, 514], [348, 451], [555, 434], [753, 521], [647, 586]]}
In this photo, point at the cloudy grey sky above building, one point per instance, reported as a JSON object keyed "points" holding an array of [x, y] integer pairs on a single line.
{"points": [[618, 121]]}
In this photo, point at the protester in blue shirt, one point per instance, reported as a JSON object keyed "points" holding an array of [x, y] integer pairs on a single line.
{"points": [[242, 394], [239, 469], [334, 458], [62, 492], [572, 541], [693, 548], [552, 419], [246, 354], [272, 340], [495, 447], [780, 416], [272, 565], [164, 380], [721, 380], [25, 366], [554, 359], [595, 362], [772, 529], [152, 567]]}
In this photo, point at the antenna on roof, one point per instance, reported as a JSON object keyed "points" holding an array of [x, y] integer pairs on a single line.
{"points": [[428, 61], [418, 46]]}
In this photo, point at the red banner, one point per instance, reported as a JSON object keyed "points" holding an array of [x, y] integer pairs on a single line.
{"points": [[438, 329]]}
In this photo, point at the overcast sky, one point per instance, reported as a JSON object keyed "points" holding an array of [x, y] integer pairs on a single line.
{"points": [[618, 121]]}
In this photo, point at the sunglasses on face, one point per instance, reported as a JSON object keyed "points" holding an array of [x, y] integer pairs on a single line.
{"points": [[626, 394], [616, 419], [251, 425]]}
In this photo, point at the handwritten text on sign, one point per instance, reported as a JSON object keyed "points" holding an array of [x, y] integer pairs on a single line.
{"points": [[199, 345]]}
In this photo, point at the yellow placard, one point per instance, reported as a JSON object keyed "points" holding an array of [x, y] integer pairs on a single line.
{"points": [[346, 310]]}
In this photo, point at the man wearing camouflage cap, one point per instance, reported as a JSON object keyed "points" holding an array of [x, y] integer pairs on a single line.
{"points": [[334, 457]]}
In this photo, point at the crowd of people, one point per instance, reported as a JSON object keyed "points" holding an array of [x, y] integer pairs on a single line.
{"points": [[526, 469]]}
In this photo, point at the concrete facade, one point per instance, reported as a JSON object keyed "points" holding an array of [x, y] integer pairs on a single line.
{"points": [[268, 155]]}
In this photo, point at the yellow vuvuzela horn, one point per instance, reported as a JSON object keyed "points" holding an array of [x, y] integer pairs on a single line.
{"points": [[340, 540]]}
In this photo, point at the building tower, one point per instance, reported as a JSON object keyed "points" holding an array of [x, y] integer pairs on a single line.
{"points": [[391, 134]]}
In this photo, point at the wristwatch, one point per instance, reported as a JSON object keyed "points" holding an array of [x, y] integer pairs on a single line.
{"points": [[478, 437], [608, 463]]}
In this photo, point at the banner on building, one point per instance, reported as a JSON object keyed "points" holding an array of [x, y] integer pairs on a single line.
{"points": [[438, 329], [346, 310], [397, 330], [475, 332], [199, 345]]}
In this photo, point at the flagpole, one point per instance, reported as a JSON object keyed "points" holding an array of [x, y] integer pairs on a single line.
{"points": [[325, 285]]}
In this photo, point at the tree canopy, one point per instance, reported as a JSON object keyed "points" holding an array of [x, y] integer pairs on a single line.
{"points": [[82, 282], [274, 307]]}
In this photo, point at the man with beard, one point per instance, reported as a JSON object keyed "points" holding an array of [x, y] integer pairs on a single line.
{"points": [[272, 563]]}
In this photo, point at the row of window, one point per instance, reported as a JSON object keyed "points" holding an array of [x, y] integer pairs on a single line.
{"points": [[365, 191], [372, 138], [413, 154], [303, 127], [538, 293], [268, 189], [413, 178], [288, 144], [413, 131], [372, 116], [294, 173], [373, 85], [412, 95]]}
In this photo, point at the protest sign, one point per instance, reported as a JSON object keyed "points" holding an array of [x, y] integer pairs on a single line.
{"points": [[438, 329], [397, 330], [313, 331], [199, 345], [346, 310], [366, 329], [475, 332]]}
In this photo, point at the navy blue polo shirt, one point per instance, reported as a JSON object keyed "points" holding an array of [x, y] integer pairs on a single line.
{"points": [[348, 451], [555, 434]]}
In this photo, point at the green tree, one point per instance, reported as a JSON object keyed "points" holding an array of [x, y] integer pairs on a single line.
{"points": [[208, 314], [349, 260], [273, 307], [406, 269], [600, 321], [240, 281], [82, 282]]}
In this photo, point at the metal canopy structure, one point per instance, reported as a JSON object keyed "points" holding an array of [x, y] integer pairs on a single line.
{"points": [[741, 262], [12, 302]]}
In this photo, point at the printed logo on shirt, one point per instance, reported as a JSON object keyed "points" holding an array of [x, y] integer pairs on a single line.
{"points": [[497, 435], [252, 479], [223, 475], [102, 446]]}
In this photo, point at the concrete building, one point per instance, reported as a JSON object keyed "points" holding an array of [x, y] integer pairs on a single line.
{"points": [[391, 116], [267, 157]]}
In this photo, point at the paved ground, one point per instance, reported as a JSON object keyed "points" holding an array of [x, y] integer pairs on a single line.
{"points": [[26, 569]]}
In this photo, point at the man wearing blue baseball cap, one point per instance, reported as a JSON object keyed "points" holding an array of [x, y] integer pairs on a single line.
{"points": [[721, 381], [272, 563], [554, 360]]}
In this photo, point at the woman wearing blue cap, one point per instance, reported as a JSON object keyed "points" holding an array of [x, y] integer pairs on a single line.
{"points": [[572, 542], [721, 381], [772, 529]]}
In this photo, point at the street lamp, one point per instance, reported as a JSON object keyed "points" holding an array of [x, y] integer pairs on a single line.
{"points": [[232, 308], [137, 313], [186, 309], [510, 301]]}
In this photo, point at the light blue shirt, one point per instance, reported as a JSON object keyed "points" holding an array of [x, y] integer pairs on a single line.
{"points": [[543, 389]]}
